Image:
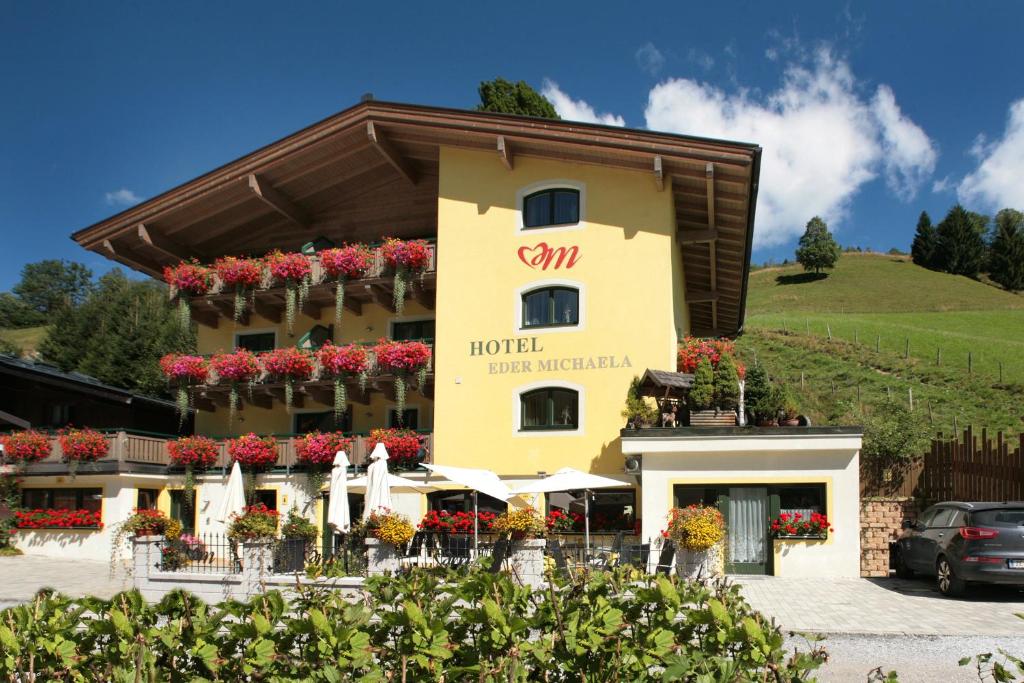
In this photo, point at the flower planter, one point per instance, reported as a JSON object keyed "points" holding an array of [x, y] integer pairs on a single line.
{"points": [[700, 565], [526, 561], [381, 558], [712, 418], [291, 556]]}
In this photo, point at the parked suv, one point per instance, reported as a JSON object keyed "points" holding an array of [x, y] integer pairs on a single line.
{"points": [[958, 543]]}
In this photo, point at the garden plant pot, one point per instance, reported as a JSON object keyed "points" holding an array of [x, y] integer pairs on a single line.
{"points": [[712, 418], [700, 565], [526, 560], [381, 558], [291, 556]]}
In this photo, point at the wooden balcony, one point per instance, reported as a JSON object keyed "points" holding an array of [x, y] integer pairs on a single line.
{"points": [[130, 452], [269, 300]]}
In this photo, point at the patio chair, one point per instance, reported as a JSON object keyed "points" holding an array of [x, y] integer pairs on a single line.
{"points": [[666, 558], [558, 556], [500, 553], [609, 557]]}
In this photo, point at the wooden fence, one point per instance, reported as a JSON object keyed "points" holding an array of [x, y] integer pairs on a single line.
{"points": [[970, 468]]}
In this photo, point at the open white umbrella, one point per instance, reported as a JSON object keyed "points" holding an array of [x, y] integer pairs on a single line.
{"points": [[378, 493], [233, 502], [394, 482], [569, 479], [483, 481], [337, 505]]}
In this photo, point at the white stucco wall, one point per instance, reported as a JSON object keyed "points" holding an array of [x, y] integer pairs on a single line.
{"points": [[833, 460]]}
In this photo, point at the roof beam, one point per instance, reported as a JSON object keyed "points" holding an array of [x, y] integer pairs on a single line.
{"points": [[659, 173], [712, 246], [696, 297], [505, 151], [696, 236], [277, 201], [161, 244], [110, 251], [390, 154]]}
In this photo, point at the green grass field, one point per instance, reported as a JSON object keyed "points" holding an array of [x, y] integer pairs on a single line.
{"points": [[27, 339], [875, 301]]}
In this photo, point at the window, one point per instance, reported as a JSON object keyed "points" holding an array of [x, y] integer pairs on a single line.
{"points": [[551, 306], [303, 423], [266, 496], [63, 499], [412, 330], [462, 501], [147, 499], [182, 511], [257, 342], [410, 418], [549, 408], [555, 206], [802, 500]]}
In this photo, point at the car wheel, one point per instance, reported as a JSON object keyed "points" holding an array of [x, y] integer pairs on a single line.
{"points": [[902, 570], [947, 582]]}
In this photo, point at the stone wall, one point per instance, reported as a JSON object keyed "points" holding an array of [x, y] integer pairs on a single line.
{"points": [[880, 520]]}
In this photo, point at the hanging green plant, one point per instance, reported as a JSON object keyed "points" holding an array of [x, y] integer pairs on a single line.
{"points": [[340, 363], [194, 453], [294, 271], [240, 367], [241, 275], [316, 451], [188, 279], [288, 364], [183, 371], [403, 359], [406, 258], [254, 454], [349, 262]]}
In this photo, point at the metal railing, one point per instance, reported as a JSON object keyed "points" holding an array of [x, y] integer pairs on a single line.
{"points": [[203, 554]]}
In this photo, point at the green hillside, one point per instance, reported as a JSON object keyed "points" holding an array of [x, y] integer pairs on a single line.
{"points": [[956, 344], [27, 339]]}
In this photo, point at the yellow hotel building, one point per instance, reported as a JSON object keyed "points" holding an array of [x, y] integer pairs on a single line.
{"points": [[567, 259]]}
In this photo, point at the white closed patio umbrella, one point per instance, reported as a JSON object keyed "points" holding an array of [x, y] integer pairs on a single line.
{"points": [[233, 502], [483, 481], [337, 505], [378, 493], [569, 479]]}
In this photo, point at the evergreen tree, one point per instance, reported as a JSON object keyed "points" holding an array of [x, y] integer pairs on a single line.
{"points": [[727, 384], [756, 386], [818, 249], [119, 334], [922, 250], [53, 285], [506, 97], [1006, 258], [702, 393], [960, 247]]}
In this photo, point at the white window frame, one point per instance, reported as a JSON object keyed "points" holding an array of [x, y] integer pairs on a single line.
{"points": [[552, 184], [256, 330], [581, 306], [517, 410]]}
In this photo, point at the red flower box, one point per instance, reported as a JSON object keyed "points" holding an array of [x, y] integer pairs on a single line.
{"points": [[58, 519], [401, 356], [795, 525], [339, 361], [185, 369], [237, 367], [317, 448], [25, 446], [198, 451], [190, 277], [412, 255], [693, 349], [403, 445], [292, 267], [456, 522], [240, 273], [83, 445], [350, 262], [288, 361], [253, 450]]}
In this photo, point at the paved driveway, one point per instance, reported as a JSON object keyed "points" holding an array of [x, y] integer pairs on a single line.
{"points": [[884, 606], [21, 577]]}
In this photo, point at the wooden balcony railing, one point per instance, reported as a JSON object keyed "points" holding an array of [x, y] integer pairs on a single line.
{"points": [[130, 448], [268, 300]]}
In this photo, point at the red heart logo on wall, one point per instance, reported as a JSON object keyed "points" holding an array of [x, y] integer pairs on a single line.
{"points": [[542, 255], [526, 254]]}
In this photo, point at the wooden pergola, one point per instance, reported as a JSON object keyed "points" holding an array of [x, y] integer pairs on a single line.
{"points": [[372, 169]]}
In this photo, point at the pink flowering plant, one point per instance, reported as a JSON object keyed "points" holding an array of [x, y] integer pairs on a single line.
{"points": [[255, 454], [193, 453], [240, 367], [288, 364], [26, 446], [294, 271], [189, 279], [241, 275], [317, 450], [183, 371], [349, 262], [403, 359], [693, 349], [406, 258], [341, 363]]}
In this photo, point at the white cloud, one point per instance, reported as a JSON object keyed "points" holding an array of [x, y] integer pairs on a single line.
{"points": [[650, 59], [122, 197], [909, 155], [943, 185], [996, 182], [822, 141], [577, 110], [700, 58]]}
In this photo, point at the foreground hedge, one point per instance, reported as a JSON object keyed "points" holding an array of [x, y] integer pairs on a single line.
{"points": [[425, 626]]}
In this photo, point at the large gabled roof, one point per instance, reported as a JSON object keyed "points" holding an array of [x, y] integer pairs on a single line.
{"points": [[373, 168]]}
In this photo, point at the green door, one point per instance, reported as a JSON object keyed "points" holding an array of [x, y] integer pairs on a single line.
{"points": [[183, 512], [748, 546]]}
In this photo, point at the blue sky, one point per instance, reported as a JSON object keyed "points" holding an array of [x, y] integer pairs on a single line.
{"points": [[868, 113]]}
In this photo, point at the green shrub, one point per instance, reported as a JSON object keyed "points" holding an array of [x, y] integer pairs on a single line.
{"points": [[702, 393], [428, 625], [637, 410], [298, 526], [727, 384]]}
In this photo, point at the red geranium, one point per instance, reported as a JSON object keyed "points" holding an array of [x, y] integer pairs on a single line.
{"points": [[455, 522], [693, 349], [317, 448], [350, 262], [199, 451], [25, 446], [401, 356], [84, 445], [253, 450], [185, 369], [339, 361], [288, 361], [795, 524], [58, 519], [243, 273], [557, 520], [240, 366], [292, 267], [189, 276], [403, 445], [412, 255]]}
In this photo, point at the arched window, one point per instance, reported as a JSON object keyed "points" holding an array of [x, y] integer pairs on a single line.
{"points": [[551, 307], [549, 408], [550, 207]]}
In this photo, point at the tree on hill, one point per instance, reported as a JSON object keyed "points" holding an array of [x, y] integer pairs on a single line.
{"points": [[924, 246], [119, 334], [1006, 257], [960, 247], [506, 97], [818, 249], [15, 313], [53, 285]]}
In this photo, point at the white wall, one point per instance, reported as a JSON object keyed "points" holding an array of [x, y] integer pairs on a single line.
{"points": [[710, 462]]}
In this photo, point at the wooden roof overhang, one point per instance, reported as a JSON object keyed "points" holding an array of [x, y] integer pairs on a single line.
{"points": [[373, 170]]}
